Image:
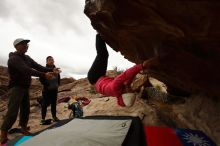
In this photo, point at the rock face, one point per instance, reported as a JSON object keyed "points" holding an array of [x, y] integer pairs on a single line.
{"points": [[181, 39], [3, 80], [66, 81]]}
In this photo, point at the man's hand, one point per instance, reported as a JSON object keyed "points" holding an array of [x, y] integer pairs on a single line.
{"points": [[146, 64], [49, 75], [56, 71]]}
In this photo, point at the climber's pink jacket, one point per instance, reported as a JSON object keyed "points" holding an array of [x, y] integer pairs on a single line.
{"points": [[115, 86]]}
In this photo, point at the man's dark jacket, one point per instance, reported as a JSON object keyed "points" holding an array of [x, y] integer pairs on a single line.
{"points": [[21, 67]]}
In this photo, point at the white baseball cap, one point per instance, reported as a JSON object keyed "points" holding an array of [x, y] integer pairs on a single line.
{"points": [[19, 40]]}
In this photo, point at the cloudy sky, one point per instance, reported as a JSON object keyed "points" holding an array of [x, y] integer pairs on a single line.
{"points": [[55, 27]]}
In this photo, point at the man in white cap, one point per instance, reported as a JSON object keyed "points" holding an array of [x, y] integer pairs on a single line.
{"points": [[21, 67]]}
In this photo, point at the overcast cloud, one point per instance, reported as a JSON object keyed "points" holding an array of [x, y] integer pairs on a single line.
{"points": [[55, 27]]}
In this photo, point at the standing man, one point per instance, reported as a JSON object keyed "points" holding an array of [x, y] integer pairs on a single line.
{"points": [[21, 67], [49, 92]]}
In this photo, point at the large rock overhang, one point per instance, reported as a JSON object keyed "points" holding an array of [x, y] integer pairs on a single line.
{"points": [[181, 39]]}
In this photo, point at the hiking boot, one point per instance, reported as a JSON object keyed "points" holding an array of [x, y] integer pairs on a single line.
{"points": [[14, 130], [4, 137], [43, 122], [55, 119]]}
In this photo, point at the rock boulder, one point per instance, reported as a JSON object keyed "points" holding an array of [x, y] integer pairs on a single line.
{"points": [[181, 39]]}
